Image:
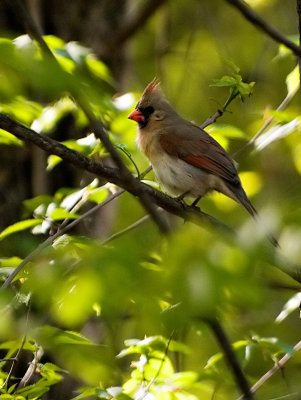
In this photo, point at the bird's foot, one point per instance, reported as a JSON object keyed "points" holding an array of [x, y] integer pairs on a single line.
{"points": [[195, 207], [195, 202], [180, 198]]}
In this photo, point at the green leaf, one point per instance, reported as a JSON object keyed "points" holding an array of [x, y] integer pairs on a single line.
{"points": [[10, 262], [20, 226], [290, 306], [293, 81], [9, 139], [98, 195], [57, 336], [225, 81], [61, 213], [52, 161]]}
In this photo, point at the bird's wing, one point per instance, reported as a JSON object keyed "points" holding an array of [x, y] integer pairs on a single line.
{"points": [[202, 152]]}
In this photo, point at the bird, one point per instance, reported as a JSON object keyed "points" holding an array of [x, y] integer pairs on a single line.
{"points": [[186, 160]]}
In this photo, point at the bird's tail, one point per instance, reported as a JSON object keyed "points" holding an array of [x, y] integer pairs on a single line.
{"points": [[242, 198]]}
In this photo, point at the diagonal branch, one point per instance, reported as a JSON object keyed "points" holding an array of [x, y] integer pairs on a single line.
{"points": [[132, 26], [230, 357], [261, 24], [100, 131], [112, 175]]}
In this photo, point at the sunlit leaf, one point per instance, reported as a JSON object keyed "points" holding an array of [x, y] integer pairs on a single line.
{"points": [[61, 213], [20, 226], [9, 139], [292, 305], [293, 81], [276, 132]]}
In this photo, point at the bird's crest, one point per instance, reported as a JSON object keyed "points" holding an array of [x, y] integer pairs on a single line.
{"points": [[152, 87]]}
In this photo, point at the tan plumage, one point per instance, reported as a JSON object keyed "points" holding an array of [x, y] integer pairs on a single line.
{"points": [[185, 159]]}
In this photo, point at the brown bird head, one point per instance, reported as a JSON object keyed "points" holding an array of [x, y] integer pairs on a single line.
{"points": [[152, 106]]}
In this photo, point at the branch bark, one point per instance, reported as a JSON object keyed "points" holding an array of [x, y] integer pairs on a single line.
{"points": [[133, 25], [230, 357], [124, 172], [261, 24], [133, 186]]}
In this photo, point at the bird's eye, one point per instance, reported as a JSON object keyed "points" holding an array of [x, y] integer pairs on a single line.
{"points": [[146, 110], [149, 110]]}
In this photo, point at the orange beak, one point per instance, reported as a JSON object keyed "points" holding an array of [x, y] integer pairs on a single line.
{"points": [[137, 116]]}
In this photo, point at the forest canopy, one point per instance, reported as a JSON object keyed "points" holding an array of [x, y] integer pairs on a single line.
{"points": [[111, 288]]}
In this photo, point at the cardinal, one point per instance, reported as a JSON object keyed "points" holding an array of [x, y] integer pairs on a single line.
{"points": [[186, 160]]}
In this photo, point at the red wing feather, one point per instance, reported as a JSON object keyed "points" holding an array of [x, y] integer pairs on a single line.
{"points": [[205, 163], [204, 153]]}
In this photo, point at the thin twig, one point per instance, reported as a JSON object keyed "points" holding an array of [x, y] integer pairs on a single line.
{"points": [[146, 389], [212, 119], [31, 26], [267, 123], [260, 23], [14, 361], [230, 356], [280, 364], [132, 26], [127, 229], [31, 368]]}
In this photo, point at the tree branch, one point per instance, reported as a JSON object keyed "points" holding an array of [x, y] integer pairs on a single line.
{"points": [[261, 24], [31, 26], [250, 144], [31, 368], [100, 131], [230, 356], [112, 175], [132, 26], [133, 186]]}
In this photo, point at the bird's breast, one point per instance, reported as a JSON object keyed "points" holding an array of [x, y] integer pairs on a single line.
{"points": [[176, 177]]}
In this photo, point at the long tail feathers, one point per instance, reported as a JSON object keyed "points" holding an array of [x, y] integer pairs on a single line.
{"points": [[243, 199]]}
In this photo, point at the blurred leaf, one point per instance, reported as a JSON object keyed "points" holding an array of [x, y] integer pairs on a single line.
{"points": [[275, 133], [10, 262], [61, 213], [9, 139], [293, 81], [292, 305], [19, 226], [57, 336]]}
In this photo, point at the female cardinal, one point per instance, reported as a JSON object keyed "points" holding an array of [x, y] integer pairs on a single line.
{"points": [[185, 159]]}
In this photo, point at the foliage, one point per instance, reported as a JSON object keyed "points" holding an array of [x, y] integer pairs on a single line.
{"points": [[125, 318]]}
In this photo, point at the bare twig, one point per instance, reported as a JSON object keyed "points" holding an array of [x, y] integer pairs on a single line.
{"points": [[212, 119], [280, 364], [146, 389], [31, 368], [267, 123], [127, 229], [132, 26], [14, 361], [31, 26], [256, 20], [230, 356]]}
